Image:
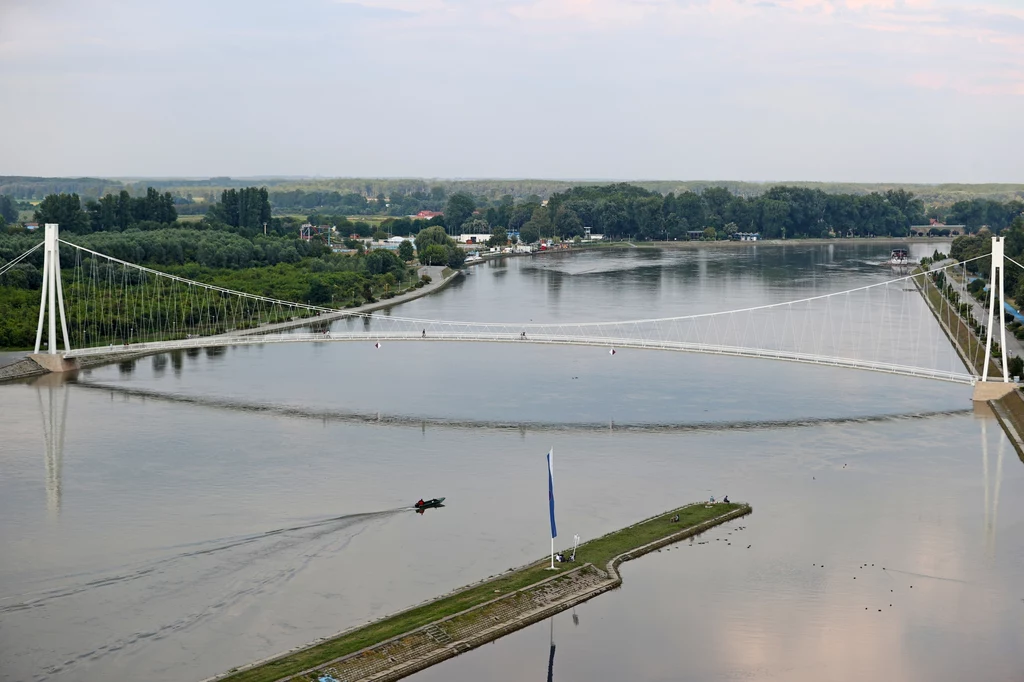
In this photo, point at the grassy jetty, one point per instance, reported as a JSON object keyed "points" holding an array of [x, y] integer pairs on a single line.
{"points": [[411, 640]]}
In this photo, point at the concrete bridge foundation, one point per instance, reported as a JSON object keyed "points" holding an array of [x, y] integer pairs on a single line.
{"points": [[992, 390], [54, 363]]}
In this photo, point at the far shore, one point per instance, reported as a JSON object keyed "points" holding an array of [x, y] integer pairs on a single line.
{"points": [[728, 243]]}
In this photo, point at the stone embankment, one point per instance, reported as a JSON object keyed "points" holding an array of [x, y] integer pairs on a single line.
{"points": [[421, 647]]}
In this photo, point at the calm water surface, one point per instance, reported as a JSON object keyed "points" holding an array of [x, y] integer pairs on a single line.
{"points": [[171, 518]]}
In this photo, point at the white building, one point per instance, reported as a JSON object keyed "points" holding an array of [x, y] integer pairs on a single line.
{"points": [[474, 238]]}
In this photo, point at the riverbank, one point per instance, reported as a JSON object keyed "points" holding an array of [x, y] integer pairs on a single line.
{"points": [[403, 643], [728, 243]]}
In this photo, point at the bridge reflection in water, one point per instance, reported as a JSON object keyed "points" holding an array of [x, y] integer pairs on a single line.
{"points": [[53, 411]]}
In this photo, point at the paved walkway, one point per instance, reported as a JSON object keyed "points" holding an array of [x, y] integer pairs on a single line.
{"points": [[437, 281]]}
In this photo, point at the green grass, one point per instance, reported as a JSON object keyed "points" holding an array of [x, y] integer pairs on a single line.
{"points": [[602, 550], [598, 552]]}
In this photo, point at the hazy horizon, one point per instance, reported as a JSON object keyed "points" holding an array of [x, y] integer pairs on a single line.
{"points": [[511, 178], [850, 91]]}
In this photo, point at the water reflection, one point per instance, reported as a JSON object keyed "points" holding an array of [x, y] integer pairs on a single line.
{"points": [[551, 650], [53, 419], [159, 364], [991, 498]]}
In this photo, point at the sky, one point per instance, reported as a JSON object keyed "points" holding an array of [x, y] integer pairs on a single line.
{"points": [[767, 90]]}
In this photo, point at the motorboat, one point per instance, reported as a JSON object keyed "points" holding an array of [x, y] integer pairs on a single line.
{"points": [[429, 504]]}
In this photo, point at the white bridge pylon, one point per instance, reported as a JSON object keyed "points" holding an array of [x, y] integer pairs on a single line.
{"points": [[53, 288], [122, 309]]}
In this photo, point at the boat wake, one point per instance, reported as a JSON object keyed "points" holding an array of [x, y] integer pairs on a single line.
{"points": [[156, 599]]}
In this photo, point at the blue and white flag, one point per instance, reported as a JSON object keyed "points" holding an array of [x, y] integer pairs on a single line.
{"points": [[551, 493]]}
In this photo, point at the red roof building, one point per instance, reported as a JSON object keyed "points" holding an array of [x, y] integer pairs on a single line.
{"points": [[427, 215]]}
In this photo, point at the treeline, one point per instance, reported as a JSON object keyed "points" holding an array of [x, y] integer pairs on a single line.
{"points": [[978, 213], [111, 212], [622, 211], [248, 208], [28, 187], [976, 248], [780, 213]]}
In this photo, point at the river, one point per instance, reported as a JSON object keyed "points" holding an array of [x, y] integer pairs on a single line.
{"points": [[171, 518]]}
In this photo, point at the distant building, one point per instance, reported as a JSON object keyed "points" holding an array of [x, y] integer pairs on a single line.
{"points": [[746, 236], [473, 238], [935, 228], [398, 240], [695, 235], [31, 226], [427, 215]]}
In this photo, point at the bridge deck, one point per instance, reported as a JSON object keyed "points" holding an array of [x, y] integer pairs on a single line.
{"points": [[548, 339]]}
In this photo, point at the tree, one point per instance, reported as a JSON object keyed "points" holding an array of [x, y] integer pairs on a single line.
{"points": [[405, 251], [529, 233], [380, 235], [248, 208], [381, 261], [710, 234], [567, 223], [499, 237], [431, 236], [454, 257], [521, 214], [65, 210], [434, 254], [458, 209], [8, 211]]}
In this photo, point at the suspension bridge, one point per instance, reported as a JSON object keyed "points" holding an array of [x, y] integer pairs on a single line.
{"points": [[98, 307]]}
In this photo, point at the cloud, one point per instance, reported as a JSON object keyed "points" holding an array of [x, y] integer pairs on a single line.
{"points": [[670, 88]]}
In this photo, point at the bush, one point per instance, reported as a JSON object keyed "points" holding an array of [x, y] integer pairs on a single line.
{"points": [[426, 279], [419, 285]]}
